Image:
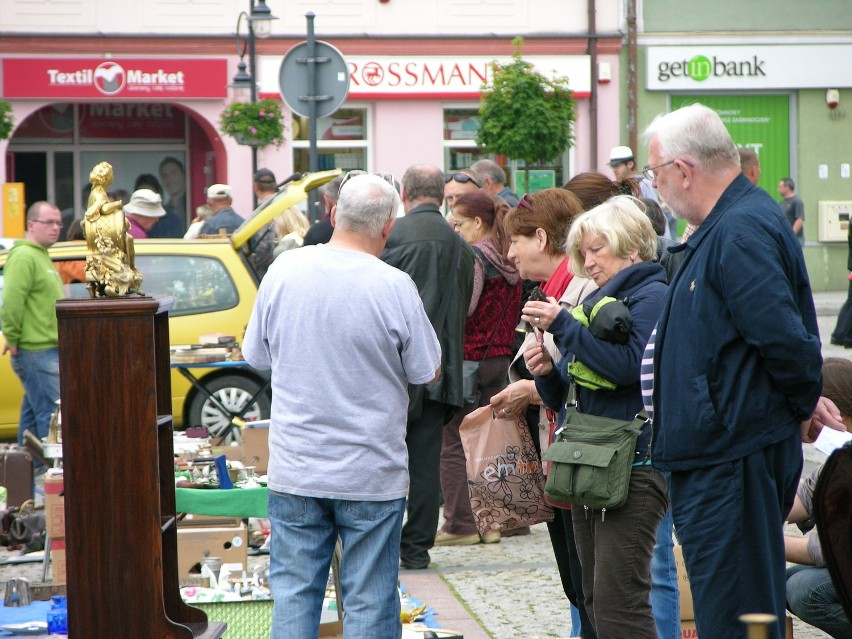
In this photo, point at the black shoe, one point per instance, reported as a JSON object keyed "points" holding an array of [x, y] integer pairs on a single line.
{"points": [[838, 342], [413, 565]]}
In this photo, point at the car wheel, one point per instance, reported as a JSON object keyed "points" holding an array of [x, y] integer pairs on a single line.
{"points": [[232, 392]]}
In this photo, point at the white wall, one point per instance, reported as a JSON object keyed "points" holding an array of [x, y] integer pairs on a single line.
{"points": [[338, 17]]}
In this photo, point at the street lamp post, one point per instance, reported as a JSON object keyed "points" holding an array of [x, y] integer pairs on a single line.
{"points": [[259, 21]]}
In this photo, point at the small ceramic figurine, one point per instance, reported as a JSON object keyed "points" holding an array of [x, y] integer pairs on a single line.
{"points": [[110, 264]]}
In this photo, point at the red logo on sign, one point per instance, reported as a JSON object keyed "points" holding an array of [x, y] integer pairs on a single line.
{"points": [[109, 78], [373, 74]]}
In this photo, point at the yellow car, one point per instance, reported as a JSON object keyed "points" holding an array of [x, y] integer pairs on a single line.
{"points": [[214, 288]]}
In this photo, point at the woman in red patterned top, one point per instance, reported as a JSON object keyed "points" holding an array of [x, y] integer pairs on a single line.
{"points": [[488, 339]]}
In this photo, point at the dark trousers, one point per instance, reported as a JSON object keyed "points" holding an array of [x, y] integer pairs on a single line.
{"points": [[842, 333], [729, 519], [615, 552], [561, 531], [491, 379], [423, 439]]}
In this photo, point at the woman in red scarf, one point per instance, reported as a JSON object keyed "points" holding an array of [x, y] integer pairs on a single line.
{"points": [[489, 337], [537, 230]]}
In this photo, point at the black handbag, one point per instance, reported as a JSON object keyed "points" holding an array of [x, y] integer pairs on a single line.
{"points": [[24, 525]]}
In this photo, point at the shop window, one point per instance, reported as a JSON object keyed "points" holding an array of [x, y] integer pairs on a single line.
{"points": [[342, 141], [461, 125], [54, 122]]}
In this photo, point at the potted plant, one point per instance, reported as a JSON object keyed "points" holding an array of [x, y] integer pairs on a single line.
{"points": [[7, 121], [254, 123]]}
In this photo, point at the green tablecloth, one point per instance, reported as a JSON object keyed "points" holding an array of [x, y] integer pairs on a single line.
{"points": [[237, 502]]}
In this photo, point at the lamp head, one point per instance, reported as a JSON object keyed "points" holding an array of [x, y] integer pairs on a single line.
{"points": [[261, 19]]}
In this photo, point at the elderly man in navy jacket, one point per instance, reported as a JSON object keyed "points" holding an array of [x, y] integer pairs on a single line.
{"points": [[737, 374]]}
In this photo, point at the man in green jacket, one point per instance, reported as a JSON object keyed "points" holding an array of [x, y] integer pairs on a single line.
{"points": [[31, 287]]}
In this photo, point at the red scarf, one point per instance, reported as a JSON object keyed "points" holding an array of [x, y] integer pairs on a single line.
{"points": [[555, 287], [559, 281]]}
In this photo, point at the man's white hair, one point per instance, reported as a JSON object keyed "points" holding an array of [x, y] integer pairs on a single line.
{"points": [[696, 134], [365, 204]]}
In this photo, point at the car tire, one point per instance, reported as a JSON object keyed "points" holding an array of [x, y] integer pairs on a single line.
{"points": [[232, 391]]}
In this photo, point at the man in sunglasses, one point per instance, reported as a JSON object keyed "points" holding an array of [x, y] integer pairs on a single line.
{"points": [[457, 184], [31, 287], [441, 264]]}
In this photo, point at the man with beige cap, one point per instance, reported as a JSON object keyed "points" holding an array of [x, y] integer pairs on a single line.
{"points": [[142, 211], [224, 217], [623, 165]]}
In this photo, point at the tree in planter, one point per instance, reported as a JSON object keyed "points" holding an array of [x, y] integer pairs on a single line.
{"points": [[7, 120], [254, 123], [523, 115]]}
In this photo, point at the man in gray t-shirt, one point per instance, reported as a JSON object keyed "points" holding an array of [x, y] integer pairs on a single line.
{"points": [[344, 334], [793, 208]]}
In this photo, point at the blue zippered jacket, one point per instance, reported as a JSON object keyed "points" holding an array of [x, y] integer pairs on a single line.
{"points": [[643, 286], [737, 360]]}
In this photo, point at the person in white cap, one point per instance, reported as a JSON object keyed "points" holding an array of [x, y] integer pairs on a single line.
{"points": [[142, 211], [224, 217], [623, 165]]}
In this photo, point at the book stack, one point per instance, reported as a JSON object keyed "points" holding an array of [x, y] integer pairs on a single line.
{"points": [[211, 347]]}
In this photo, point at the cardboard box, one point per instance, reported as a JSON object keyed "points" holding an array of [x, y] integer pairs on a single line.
{"points": [[686, 611], [58, 561], [209, 521], [688, 631], [54, 505], [256, 445], [194, 544]]}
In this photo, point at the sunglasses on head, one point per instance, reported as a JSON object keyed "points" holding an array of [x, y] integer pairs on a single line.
{"points": [[461, 178], [387, 177], [526, 203]]}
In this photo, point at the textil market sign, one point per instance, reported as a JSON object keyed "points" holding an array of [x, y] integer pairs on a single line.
{"points": [[438, 77], [115, 78], [699, 68]]}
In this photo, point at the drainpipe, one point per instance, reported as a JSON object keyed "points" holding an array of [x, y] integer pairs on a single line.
{"points": [[631, 75], [593, 93]]}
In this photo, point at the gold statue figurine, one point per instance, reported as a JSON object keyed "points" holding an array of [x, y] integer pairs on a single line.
{"points": [[110, 263]]}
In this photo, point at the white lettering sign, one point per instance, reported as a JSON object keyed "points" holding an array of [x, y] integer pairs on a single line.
{"points": [[699, 68]]}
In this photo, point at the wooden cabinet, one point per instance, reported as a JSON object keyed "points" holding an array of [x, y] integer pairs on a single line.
{"points": [[121, 534]]}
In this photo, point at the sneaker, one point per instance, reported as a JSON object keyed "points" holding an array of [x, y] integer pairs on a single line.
{"points": [[490, 537], [517, 532], [443, 538]]}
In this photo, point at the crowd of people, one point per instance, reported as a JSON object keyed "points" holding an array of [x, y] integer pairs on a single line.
{"points": [[732, 382]]}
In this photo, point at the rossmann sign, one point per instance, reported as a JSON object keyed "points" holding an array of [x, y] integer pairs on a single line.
{"points": [[699, 68], [459, 77], [118, 78]]}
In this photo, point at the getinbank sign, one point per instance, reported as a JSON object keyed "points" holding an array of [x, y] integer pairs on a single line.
{"points": [[699, 68]]}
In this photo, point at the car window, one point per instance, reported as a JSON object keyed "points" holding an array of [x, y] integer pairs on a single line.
{"points": [[198, 284]]}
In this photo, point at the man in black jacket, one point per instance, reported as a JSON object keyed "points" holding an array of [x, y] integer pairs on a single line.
{"points": [[441, 264]]}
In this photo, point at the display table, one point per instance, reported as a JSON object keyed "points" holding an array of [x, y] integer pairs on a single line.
{"points": [[236, 502]]}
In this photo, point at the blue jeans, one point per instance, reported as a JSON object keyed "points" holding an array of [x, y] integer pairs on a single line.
{"points": [[811, 596], [665, 598], [39, 375], [304, 532]]}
